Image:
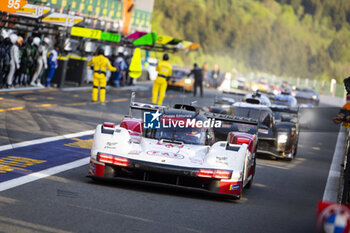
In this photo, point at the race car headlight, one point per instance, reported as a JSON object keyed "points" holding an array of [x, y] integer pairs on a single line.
{"points": [[225, 106], [188, 81], [314, 97], [282, 138]]}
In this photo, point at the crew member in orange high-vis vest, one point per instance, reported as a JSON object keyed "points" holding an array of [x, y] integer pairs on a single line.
{"points": [[344, 113], [100, 65], [161, 82]]}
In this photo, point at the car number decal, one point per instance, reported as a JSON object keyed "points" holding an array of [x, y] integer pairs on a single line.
{"points": [[165, 154]]}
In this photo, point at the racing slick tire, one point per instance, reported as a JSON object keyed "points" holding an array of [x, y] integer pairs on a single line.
{"points": [[250, 183], [295, 150]]}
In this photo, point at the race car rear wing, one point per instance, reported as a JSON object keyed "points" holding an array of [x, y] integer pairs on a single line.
{"points": [[230, 118], [234, 93], [285, 109], [142, 106]]}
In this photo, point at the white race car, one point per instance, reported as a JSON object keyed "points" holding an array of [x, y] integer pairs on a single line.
{"points": [[182, 157]]}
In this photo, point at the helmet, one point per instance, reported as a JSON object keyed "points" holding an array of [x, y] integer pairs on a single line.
{"points": [[30, 40], [120, 50], [126, 53], [20, 41], [100, 51], [347, 85], [47, 41], [36, 41], [165, 57], [7, 41], [13, 38], [195, 65]]}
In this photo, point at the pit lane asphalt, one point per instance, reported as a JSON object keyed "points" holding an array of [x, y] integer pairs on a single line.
{"points": [[283, 198]]}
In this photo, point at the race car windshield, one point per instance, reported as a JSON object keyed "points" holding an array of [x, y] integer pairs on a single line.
{"points": [[179, 73], [195, 136], [289, 102], [261, 115]]}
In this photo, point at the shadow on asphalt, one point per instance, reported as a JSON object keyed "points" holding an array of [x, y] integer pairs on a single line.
{"points": [[163, 190]]}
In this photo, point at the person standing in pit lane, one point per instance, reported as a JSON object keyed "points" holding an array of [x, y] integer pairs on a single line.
{"points": [[198, 79], [100, 65], [41, 59], [161, 83], [15, 60], [4, 60], [53, 64]]}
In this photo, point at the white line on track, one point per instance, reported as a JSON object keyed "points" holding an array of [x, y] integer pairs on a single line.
{"points": [[47, 172], [332, 185], [42, 174], [43, 140]]}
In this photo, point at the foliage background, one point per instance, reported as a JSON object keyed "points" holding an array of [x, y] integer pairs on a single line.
{"points": [[298, 38]]}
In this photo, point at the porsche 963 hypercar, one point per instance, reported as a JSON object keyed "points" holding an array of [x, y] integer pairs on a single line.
{"points": [[178, 150]]}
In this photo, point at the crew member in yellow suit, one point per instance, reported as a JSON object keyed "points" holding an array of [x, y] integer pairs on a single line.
{"points": [[161, 83], [100, 64]]}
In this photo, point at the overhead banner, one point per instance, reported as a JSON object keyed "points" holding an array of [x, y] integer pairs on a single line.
{"points": [[95, 34], [148, 39], [11, 6], [112, 37], [62, 19], [32, 11], [86, 32], [164, 39]]}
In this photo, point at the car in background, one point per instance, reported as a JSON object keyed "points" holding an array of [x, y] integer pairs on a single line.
{"points": [[257, 95], [179, 79], [223, 105], [240, 83], [285, 99], [306, 96], [277, 138], [262, 84]]}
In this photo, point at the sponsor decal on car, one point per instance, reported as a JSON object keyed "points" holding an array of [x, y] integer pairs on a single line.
{"points": [[222, 160], [166, 154], [111, 145], [235, 186], [263, 131], [135, 152], [196, 160], [169, 145]]}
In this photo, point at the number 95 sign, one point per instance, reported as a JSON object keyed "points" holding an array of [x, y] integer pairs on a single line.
{"points": [[12, 6]]}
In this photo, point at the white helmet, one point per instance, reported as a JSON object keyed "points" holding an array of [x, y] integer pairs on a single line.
{"points": [[120, 50], [47, 41], [13, 38], [36, 41]]}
